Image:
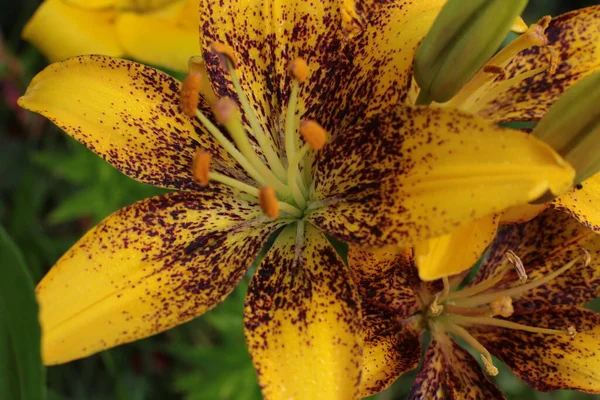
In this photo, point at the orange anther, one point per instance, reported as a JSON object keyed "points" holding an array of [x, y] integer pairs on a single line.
{"points": [[201, 167], [502, 306], [224, 110], [225, 52], [188, 97], [268, 201], [493, 69], [299, 69], [313, 133]]}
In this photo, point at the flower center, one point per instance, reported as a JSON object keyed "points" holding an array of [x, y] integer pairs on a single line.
{"points": [[485, 85], [482, 304], [279, 185]]}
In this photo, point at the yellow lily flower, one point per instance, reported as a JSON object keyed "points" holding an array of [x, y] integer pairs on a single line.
{"points": [[388, 175], [158, 32], [527, 312], [521, 83]]}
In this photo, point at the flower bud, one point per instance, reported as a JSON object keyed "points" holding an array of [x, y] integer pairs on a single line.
{"points": [[572, 127], [465, 35]]}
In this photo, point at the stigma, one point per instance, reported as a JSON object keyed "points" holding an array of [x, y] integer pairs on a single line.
{"points": [[482, 304], [280, 180]]}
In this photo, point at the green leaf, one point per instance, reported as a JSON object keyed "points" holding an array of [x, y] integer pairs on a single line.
{"points": [[22, 375]]}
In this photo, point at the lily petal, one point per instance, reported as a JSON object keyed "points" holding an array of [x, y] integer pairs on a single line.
{"points": [[376, 74], [146, 268], [386, 280], [128, 114], [419, 173], [391, 348], [302, 321], [545, 244], [168, 37], [576, 38], [61, 31], [450, 372], [550, 362], [456, 251], [583, 203]]}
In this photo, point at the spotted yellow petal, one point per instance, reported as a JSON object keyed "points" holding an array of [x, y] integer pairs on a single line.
{"points": [[146, 268], [128, 114], [168, 37], [522, 213], [544, 245], [450, 372], [61, 31], [576, 38], [456, 251], [551, 362], [386, 280], [391, 348], [583, 202], [375, 71], [418, 173], [302, 321]]}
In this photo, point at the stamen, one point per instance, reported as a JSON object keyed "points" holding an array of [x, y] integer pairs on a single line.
{"points": [[228, 62], [201, 167], [230, 148], [503, 86], [225, 54], [489, 365], [196, 65], [493, 69], [488, 283], [271, 206], [268, 201], [468, 312], [234, 183], [316, 137], [518, 290], [299, 70], [190, 90], [518, 264], [314, 134], [486, 357], [502, 305], [227, 113], [571, 331], [292, 172], [534, 36], [502, 323]]}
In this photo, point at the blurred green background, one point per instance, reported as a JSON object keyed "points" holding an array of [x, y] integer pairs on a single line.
{"points": [[52, 190]]}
